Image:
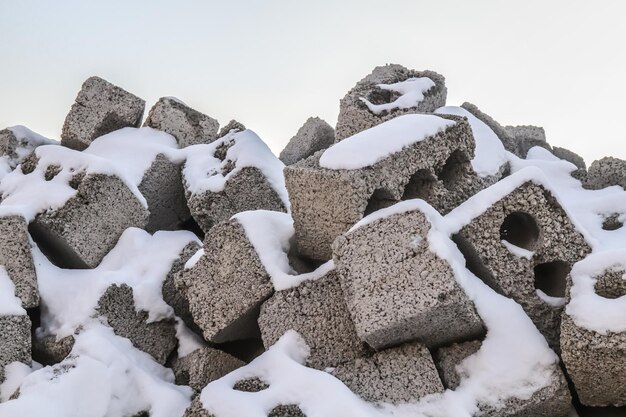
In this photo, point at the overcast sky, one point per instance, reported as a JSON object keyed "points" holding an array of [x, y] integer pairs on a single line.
{"points": [[272, 64]]}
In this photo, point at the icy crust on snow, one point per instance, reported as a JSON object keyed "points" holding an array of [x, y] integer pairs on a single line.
{"points": [[375, 144], [104, 376], [204, 171], [142, 261], [412, 92], [270, 233], [490, 154], [9, 303], [590, 310], [514, 360]]}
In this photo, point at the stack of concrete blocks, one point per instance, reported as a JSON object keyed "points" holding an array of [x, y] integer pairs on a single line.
{"points": [[15, 341], [247, 189], [313, 136], [89, 224], [398, 290], [523, 243], [596, 362], [325, 203], [188, 126], [354, 114], [227, 285], [100, 108], [554, 400]]}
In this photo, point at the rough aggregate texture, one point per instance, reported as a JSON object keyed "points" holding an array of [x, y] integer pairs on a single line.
{"points": [[606, 172], [505, 137], [202, 366], [15, 342], [171, 295], [47, 350], [313, 136], [527, 137]]}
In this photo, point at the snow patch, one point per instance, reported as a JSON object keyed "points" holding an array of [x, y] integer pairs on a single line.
{"points": [[10, 304], [517, 251], [412, 92]]}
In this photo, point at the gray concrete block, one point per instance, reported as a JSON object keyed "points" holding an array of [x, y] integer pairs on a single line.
{"points": [[313, 136], [171, 295], [88, 226], [569, 156], [100, 108], [188, 126], [227, 285], [606, 172], [162, 187], [325, 203], [202, 366], [318, 312], [398, 375], [355, 116], [553, 400], [15, 343], [17, 259], [196, 409], [117, 305], [47, 350], [529, 218], [501, 132], [595, 362], [286, 410], [17, 147], [232, 125], [527, 137], [397, 290]]}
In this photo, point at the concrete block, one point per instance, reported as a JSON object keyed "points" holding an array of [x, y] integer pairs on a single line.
{"points": [[203, 366], [17, 259], [313, 136], [15, 342]]}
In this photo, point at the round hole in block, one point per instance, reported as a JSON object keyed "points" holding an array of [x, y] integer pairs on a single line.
{"points": [[454, 170], [379, 96], [379, 199], [520, 229], [551, 278], [420, 185]]}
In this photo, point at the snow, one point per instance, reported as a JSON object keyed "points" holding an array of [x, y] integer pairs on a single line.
{"points": [[104, 376], [15, 373], [188, 341], [517, 251], [412, 92], [550, 300], [490, 154], [375, 144], [9, 303], [270, 233], [191, 262], [203, 171], [142, 261]]}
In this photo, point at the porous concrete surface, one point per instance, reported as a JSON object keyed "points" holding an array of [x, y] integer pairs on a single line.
{"points": [[250, 385], [47, 350], [514, 276], [318, 312], [15, 342], [196, 409], [15, 150], [17, 259], [188, 126], [158, 338], [398, 290], [505, 137], [171, 295], [553, 400], [398, 375], [527, 137], [202, 366], [569, 156], [88, 226], [606, 172], [313, 136], [355, 116], [162, 187], [595, 362], [288, 410], [246, 190], [231, 279], [232, 125], [100, 108], [325, 203], [611, 284]]}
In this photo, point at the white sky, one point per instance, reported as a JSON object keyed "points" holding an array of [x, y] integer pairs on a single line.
{"points": [[272, 64]]}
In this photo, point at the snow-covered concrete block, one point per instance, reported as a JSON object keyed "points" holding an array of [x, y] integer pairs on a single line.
{"points": [[398, 290], [606, 172], [15, 342], [171, 294], [16, 144], [526, 137], [235, 173], [569, 156], [188, 126], [399, 375], [389, 91], [230, 126], [158, 338], [313, 136], [17, 259], [202, 366], [505, 137], [554, 400], [316, 309], [411, 156], [100, 108], [196, 409], [227, 285], [522, 243], [47, 350]]}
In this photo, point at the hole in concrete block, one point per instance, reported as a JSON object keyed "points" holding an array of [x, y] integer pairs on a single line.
{"points": [[520, 229], [420, 185], [612, 222], [454, 170], [551, 278], [380, 96], [380, 198]]}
